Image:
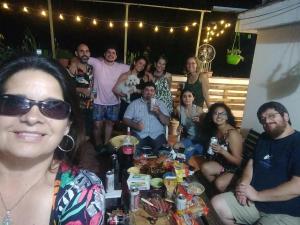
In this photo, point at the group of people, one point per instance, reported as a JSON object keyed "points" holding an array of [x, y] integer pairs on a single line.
{"points": [[105, 89], [42, 137]]}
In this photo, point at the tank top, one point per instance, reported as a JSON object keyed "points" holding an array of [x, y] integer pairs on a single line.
{"points": [[196, 88]]}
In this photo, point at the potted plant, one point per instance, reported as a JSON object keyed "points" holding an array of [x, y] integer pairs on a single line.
{"points": [[233, 56]]}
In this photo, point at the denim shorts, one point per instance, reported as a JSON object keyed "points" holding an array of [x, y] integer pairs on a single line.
{"points": [[106, 112]]}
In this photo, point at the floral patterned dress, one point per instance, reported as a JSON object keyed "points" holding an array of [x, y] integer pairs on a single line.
{"points": [[78, 198], [163, 92]]}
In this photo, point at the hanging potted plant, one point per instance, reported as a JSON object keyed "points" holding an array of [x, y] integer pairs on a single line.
{"points": [[233, 56]]}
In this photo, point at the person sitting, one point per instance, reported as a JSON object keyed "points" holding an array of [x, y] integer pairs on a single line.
{"points": [[41, 134], [147, 119], [227, 153], [268, 192], [189, 117]]}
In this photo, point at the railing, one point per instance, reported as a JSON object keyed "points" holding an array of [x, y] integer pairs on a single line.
{"points": [[231, 91]]}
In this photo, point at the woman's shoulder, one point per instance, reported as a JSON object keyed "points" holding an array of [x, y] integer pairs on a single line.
{"points": [[232, 132]]}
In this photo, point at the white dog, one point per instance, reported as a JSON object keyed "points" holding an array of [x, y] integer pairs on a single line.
{"points": [[128, 87]]}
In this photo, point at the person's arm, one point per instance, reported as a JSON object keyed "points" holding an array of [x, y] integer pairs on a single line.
{"points": [[283, 192], [205, 87], [121, 79], [234, 156], [245, 181], [169, 79], [139, 126], [162, 114]]}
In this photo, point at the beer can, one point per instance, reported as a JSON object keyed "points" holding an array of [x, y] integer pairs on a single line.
{"points": [[134, 199], [213, 140], [152, 103], [110, 181], [180, 204]]}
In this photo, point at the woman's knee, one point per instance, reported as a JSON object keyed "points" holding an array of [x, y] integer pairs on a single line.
{"points": [[221, 184]]}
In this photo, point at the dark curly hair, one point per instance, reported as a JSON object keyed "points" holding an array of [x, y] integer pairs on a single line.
{"points": [[209, 128]]}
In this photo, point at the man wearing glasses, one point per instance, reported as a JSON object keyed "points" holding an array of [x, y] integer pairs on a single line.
{"points": [[269, 190]]}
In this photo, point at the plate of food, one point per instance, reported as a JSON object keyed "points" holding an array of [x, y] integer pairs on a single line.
{"points": [[195, 188]]}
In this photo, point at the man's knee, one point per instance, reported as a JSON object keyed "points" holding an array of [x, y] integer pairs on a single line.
{"points": [[98, 125], [205, 168], [221, 207]]}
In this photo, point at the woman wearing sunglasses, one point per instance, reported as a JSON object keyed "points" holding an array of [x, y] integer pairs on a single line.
{"points": [[41, 132], [219, 122]]}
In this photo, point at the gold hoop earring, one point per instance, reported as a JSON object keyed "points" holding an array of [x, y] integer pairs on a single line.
{"points": [[72, 147]]}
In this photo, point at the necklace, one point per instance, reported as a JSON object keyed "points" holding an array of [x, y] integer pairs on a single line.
{"points": [[7, 219]]}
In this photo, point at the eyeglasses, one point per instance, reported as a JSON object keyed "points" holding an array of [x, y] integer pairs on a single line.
{"points": [[220, 114], [270, 116], [14, 105]]}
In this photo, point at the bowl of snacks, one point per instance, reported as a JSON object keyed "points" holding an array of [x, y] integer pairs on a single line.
{"points": [[195, 188]]}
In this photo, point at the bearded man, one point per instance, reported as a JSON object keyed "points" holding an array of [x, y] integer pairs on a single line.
{"points": [[269, 190]]}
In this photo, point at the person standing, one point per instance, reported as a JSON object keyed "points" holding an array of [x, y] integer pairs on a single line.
{"points": [[84, 85], [106, 103], [162, 80], [197, 82], [268, 192]]}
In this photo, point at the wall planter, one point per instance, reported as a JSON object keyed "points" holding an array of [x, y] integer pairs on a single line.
{"points": [[233, 56]]}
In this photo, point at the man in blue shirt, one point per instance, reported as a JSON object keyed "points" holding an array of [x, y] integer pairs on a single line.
{"points": [[269, 190], [148, 120]]}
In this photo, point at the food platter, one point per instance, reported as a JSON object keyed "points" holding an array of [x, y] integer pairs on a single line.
{"points": [[117, 141]]}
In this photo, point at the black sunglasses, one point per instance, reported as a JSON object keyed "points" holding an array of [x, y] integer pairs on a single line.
{"points": [[14, 105]]}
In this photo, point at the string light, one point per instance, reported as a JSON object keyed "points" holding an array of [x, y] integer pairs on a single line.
{"points": [[61, 17], [218, 30], [25, 9], [78, 19], [205, 40], [43, 13], [210, 39], [5, 5], [95, 22]]}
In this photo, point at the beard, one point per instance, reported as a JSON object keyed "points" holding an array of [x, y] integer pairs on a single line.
{"points": [[84, 59], [276, 131]]}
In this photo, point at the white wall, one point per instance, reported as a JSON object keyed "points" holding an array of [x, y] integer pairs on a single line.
{"points": [[275, 74]]}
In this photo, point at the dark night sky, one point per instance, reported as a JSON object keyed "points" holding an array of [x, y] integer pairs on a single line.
{"points": [[175, 46]]}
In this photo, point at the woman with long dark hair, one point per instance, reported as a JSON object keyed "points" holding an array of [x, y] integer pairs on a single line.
{"points": [[137, 68], [226, 155], [41, 137]]}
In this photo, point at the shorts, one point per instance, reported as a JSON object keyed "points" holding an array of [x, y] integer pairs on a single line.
{"points": [[106, 112], [250, 214]]}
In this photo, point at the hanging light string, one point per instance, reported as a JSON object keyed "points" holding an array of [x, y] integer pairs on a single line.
{"points": [[212, 31]]}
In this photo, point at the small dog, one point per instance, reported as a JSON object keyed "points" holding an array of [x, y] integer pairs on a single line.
{"points": [[128, 87]]}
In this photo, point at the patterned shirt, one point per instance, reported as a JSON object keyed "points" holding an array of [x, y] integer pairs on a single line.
{"points": [[78, 198], [163, 92], [84, 80], [138, 110]]}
